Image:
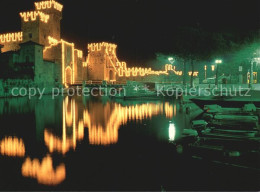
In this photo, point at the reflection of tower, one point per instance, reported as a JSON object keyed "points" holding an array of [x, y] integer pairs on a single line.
{"points": [[103, 122], [72, 129], [38, 25]]}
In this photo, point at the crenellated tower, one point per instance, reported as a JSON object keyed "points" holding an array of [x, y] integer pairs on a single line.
{"points": [[101, 57], [43, 22]]}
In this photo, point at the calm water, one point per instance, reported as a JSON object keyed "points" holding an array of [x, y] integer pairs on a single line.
{"points": [[97, 144]]}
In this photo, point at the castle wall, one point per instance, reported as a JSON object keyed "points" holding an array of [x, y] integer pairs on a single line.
{"points": [[96, 66], [11, 41]]}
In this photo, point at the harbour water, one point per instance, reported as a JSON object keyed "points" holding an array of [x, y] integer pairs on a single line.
{"points": [[101, 144]]}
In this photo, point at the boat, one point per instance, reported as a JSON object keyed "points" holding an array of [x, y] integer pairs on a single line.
{"points": [[223, 101]]}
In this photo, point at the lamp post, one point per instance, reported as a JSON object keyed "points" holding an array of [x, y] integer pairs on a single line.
{"points": [[218, 61], [252, 70], [205, 68]]}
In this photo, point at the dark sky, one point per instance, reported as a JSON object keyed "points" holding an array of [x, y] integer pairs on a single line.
{"points": [[140, 27]]}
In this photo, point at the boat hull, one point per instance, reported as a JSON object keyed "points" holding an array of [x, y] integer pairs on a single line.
{"points": [[235, 103]]}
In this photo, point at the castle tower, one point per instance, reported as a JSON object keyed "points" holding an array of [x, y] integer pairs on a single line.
{"points": [[43, 22], [102, 61]]}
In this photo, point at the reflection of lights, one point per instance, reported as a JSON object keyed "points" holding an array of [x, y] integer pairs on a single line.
{"points": [[172, 132], [12, 147], [54, 143], [108, 134], [44, 172], [100, 132]]}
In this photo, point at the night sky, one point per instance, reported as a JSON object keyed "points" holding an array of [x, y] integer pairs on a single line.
{"points": [[141, 28]]}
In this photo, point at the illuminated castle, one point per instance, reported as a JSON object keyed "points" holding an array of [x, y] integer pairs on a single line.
{"points": [[57, 62], [39, 42], [103, 64]]}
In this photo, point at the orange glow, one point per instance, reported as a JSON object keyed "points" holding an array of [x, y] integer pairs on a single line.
{"points": [[54, 42], [54, 143], [101, 132], [11, 37], [64, 144], [79, 53], [12, 146], [121, 67], [48, 4], [195, 74], [33, 15], [100, 135], [44, 172]]}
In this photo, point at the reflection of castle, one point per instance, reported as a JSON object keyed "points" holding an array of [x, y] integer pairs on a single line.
{"points": [[44, 171], [102, 121], [62, 123], [13, 147]]}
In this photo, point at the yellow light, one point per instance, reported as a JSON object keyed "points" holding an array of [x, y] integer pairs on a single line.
{"points": [[33, 15], [172, 132], [213, 67], [44, 171], [48, 4], [11, 37], [79, 53], [12, 146], [195, 73], [54, 42], [108, 134], [121, 67]]}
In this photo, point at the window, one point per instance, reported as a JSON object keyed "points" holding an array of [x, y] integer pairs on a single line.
{"points": [[30, 35]]}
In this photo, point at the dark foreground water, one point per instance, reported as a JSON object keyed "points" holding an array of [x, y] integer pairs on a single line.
{"points": [[97, 144]]}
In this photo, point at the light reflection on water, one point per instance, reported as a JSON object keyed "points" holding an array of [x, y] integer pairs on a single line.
{"points": [[63, 124]]}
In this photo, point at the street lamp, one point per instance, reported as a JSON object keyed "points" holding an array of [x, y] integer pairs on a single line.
{"points": [[218, 61], [171, 60], [205, 68], [257, 60]]}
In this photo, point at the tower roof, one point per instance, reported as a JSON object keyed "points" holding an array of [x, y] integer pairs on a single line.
{"points": [[42, 5]]}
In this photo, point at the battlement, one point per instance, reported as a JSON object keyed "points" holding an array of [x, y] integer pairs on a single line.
{"points": [[11, 37], [33, 15], [102, 46], [48, 5]]}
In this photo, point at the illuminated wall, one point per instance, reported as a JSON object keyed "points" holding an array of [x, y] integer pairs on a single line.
{"points": [[101, 56], [11, 41], [68, 57], [103, 64], [38, 25]]}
